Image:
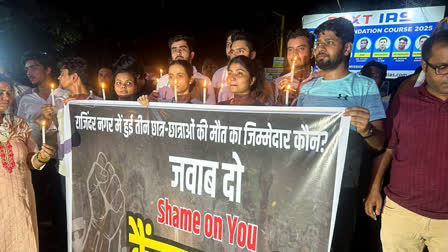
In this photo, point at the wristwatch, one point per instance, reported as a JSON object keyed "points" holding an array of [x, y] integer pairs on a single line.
{"points": [[370, 132]]}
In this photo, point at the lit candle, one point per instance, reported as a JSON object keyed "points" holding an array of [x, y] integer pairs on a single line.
{"points": [[43, 131], [161, 73], [104, 93], [52, 94], [204, 92], [292, 68], [157, 84], [175, 90], [287, 94]]}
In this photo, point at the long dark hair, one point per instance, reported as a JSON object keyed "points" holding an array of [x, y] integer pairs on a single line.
{"points": [[254, 71]]}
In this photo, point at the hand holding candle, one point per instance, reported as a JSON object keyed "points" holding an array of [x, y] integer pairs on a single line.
{"points": [[43, 131], [104, 93], [52, 94], [204, 93]]}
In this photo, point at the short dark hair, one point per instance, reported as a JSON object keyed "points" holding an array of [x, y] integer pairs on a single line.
{"points": [[231, 33], [365, 69], [76, 65], [177, 38], [366, 40], [254, 71], [439, 37], [403, 38], [242, 35], [383, 38], [128, 64], [44, 58], [301, 33], [341, 27]]}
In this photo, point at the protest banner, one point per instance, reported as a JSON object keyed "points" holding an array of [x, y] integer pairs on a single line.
{"points": [[181, 177], [393, 37]]}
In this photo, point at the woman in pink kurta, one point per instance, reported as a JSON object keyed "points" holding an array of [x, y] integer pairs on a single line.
{"points": [[18, 154]]}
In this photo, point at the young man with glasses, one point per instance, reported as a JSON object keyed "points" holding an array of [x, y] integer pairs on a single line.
{"points": [[181, 48], [415, 212]]}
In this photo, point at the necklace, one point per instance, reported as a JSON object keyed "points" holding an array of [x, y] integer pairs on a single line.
{"points": [[7, 156]]}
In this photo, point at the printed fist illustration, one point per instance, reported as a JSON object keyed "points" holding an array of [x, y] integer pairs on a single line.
{"points": [[107, 205]]}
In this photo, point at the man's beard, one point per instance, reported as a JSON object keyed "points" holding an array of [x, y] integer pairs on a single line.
{"points": [[329, 63]]}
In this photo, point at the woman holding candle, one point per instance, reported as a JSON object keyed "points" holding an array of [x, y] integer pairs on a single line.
{"points": [[244, 79], [18, 154], [184, 88]]}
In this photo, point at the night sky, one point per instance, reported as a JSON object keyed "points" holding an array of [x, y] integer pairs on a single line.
{"points": [[105, 29]]}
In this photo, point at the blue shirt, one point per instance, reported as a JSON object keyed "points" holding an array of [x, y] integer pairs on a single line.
{"points": [[351, 91]]}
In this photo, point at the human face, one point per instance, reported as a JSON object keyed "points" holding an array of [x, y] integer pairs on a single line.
{"points": [[6, 96], [36, 73], [239, 80], [65, 79], [180, 51], [299, 47], [363, 44], [238, 48], [125, 85], [330, 51], [402, 44], [437, 85], [375, 74], [383, 44], [421, 41], [177, 72], [105, 75], [228, 46]]}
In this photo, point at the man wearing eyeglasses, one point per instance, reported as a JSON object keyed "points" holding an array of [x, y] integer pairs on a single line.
{"points": [[359, 94], [415, 212], [181, 48]]}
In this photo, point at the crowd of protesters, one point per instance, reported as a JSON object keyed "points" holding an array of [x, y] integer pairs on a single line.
{"points": [[398, 134]]}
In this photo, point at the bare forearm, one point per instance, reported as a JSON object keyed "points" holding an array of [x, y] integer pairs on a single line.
{"points": [[380, 168]]}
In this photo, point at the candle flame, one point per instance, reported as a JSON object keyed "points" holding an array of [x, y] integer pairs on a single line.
{"points": [[43, 123], [102, 85], [52, 85], [205, 83], [288, 87], [161, 70]]}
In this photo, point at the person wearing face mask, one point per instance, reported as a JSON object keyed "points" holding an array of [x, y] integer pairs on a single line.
{"points": [[183, 87]]}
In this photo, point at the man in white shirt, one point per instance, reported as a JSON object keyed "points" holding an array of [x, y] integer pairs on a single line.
{"points": [[41, 71], [181, 48]]}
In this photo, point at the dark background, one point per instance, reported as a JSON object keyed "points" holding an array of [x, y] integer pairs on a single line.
{"points": [[101, 30]]}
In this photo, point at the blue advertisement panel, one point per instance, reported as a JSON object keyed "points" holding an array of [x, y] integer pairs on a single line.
{"points": [[392, 37]]}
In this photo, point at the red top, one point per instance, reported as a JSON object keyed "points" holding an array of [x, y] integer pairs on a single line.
{"points": [[417, 129]]}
